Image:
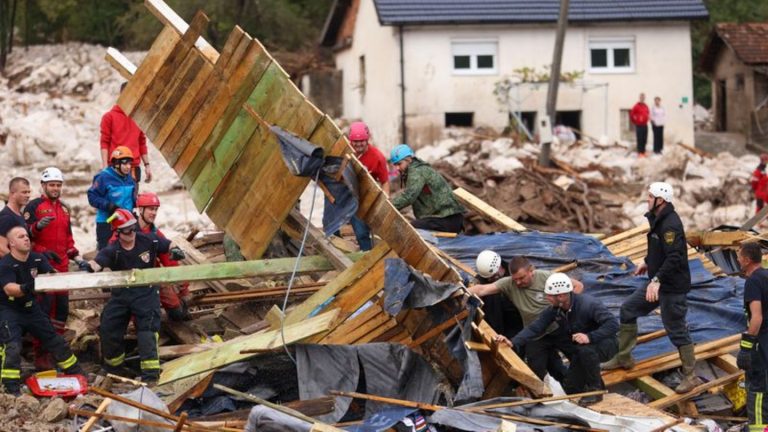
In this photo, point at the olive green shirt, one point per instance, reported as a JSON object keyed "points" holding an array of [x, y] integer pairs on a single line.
{"points": [[529, 301]]}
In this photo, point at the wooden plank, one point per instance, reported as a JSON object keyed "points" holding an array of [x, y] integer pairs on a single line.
{"points": [[373, 328], [172, 20], [717, 238], [653, 387], [274, 317], [633, 232], [477, 346], [120, 63], [487, 210], [229, 352], [190, 273], [616, 404], [675, 398], [339, 260], [339, 334], [726, 362]]}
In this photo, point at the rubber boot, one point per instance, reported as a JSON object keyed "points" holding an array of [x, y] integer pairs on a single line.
{"points": [[688, 360], [627, 342]]}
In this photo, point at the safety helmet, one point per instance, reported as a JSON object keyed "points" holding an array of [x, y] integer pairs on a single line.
{"points": [[121, 152], [488, 263], [121, 218], [558, 283], [400, 152], [51, 174], [358, 131], [661, 190], [147, 199]]}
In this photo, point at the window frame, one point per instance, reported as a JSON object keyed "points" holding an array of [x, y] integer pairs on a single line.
{"points": [[611, 45], [474, 48]]}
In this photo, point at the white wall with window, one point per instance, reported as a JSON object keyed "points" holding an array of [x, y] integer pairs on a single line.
{"points": [[474, 57], [611, 55]]}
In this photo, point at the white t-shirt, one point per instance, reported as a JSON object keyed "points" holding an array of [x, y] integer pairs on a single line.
{"points": [[658, 116]]}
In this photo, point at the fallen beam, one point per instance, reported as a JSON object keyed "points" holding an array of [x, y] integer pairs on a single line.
{"points": [[191, 273], [485, 209], [673, 399]]}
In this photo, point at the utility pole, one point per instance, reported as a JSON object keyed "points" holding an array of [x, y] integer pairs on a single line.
{"points": [[554, 78]]}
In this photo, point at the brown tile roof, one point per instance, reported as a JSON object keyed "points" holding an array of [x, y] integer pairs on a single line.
{"points": [[748, 40]]}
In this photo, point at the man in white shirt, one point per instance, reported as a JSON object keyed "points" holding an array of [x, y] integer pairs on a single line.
{"points": [[658, 118]]}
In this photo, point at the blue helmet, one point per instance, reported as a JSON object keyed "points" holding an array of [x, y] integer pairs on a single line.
{"points": [[399, 153]]}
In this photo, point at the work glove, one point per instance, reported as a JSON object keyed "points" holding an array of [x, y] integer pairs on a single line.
{"points": [[747, 346], [177, 254], [44, 222], [72, 253], [28, 288], [52, 256], [85, 266]]}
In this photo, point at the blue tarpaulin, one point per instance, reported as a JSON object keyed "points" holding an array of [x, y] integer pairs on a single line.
{"points": [[715, 305]]}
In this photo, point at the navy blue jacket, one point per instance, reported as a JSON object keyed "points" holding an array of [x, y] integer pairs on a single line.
{"points": [[667, 257]]}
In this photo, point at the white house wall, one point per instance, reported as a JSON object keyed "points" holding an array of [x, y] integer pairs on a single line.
{"points": [[662, 68]]}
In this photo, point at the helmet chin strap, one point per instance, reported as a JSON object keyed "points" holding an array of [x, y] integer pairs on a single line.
{"points": [[655, 205]]}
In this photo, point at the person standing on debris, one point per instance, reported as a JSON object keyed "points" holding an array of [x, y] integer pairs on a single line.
{"points": [[376, 164], [173, 298], [132, 250], [667, 266], [434, 205], [50, 226], [753, 355], [658, 119], [117, 129], [585, 334], [759, 183], [112, 188], [20, 312], [11, 215], [525, 289], [639, 116]]}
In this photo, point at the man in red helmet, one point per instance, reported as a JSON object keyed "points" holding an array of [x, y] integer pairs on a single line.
{"points": [[174, 299], [117, 129], [376, 164], [132, 250], [49, 223]]}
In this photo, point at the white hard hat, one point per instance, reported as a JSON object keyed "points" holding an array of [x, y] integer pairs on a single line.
{"points": [[51, 174], [661, 190], [488, 263], [558, 283]]}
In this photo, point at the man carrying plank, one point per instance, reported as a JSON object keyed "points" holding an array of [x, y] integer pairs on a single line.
{"points": [[132, 250], [20, 312]]}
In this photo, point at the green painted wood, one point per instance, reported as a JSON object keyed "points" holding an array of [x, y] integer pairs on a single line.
{"points": [[187, 273]]}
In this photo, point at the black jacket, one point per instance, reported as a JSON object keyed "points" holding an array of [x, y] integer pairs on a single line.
{"points": [[587, 315], [667, 256]]}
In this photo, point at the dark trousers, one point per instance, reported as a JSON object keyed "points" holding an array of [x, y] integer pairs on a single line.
{"points": [[13, 324], [453, 223], [103, 234], [502, 315], [55, 305], [757, 386], [542, 357], [674, 308], [641, 132], [658, 138], [144, 305], [362, 233], [583, 373]]}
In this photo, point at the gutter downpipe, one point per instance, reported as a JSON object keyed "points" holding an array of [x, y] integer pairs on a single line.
{"points": [[403, 128]]}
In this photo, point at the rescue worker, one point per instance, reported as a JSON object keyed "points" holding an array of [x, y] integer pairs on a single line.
{"points": [[670, 280], [11, 215], [20, 313], [525, 289], [376, 164], [50, 226], [112, 188], [431, 197], [759, 183], [753, 355], [174, 299], [500, 313], [132, 250], [117, 129], [585, 334]]}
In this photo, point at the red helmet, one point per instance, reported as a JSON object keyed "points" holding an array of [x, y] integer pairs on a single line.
{"points": [[121, 218], [358, 131], [147, 199]]}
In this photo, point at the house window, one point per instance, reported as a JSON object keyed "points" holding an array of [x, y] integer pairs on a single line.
{"points": [[461, 119], [474, 57], [611, 55]]}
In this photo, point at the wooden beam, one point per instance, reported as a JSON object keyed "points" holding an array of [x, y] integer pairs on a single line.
{"points": [[229, 352], [339, 260], [122, 65], [717, 238], [485, 209], [169, 17], [653, 387], [199, 272], [673, 399]]}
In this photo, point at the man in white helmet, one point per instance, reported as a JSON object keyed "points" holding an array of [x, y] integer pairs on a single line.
{"points": [[524, 287], [500, 313], [585, 334], [670, 280]]}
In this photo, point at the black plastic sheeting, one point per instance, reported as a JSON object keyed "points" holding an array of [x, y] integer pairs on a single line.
{"points": [[715, 305]]}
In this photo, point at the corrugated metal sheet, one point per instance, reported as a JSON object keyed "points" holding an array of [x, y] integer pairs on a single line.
{"points": [[397, 12]]}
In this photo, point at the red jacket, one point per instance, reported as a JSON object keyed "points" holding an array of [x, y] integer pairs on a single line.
{"points": [[376, 164], [640, 114], [57, 236], [760, 184], [117, 129]]}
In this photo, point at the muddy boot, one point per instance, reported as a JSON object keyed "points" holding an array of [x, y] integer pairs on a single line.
{"points": [[627, 342], [688, 359], [590, 400]]}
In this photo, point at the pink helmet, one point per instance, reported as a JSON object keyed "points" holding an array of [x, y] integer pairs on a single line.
{"points": [[358, 131]]}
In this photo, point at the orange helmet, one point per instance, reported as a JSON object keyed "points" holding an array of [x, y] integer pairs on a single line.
{"points": [[121, 152], [121, 218], [147, 199]]}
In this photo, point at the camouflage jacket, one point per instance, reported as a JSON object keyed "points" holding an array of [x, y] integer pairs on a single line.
{"points": [[428, 192]]}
